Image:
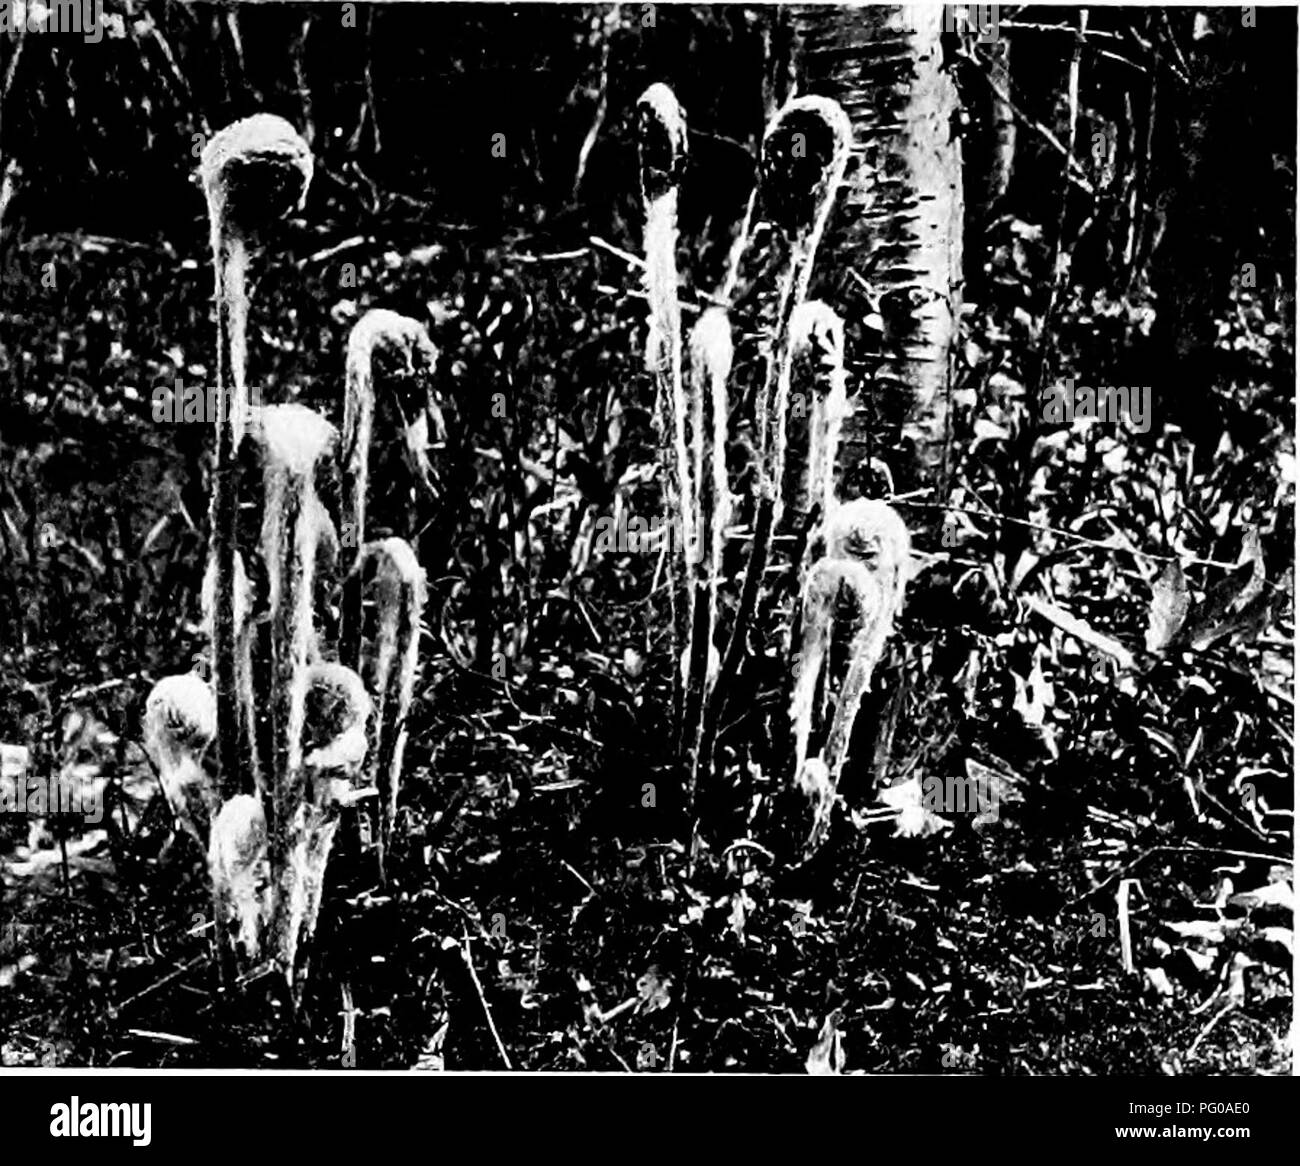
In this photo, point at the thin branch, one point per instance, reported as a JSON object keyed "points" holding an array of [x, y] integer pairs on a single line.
{"points": [[298, 51], [739, 247], [637, 262], [182, 85], [1082, 540], [613, 22], [116, 1009], [487, 1012], [12, 67], [1079, 179], [1173, 43], [552, 257], [1281, 860], [626, 256], [1091, 34], [337, 249]]}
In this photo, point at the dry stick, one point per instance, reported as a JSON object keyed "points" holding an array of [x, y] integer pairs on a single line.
{"points": [[115, 1010], [482, 1000], [11, 71], [613, 21], [1186, 74], [12, 68], [1106, 54], [1138, 226], [349, 1013], [104, 686], [662, 144], [1028, 26], [350, 244], [1218, 1016], [633, 261], [1126, 197], [739, 247], [1125, 933], [253, 171], [297, 51]]}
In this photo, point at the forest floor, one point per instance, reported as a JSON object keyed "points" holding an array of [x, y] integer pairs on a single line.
{"points": [[539, 913]]}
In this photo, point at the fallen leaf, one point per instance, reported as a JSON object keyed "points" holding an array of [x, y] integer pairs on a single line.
{"points": [[1271, 895], [1169, 606], [1157, 978], [1081, 630]]}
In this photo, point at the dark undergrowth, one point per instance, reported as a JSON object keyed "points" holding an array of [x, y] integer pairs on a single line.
{"points": [[543, 910]]}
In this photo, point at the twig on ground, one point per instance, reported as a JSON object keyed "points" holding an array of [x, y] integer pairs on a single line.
{"points": [[487, 1012], [1218, 1016], [1278, 859], [116, 1010]]}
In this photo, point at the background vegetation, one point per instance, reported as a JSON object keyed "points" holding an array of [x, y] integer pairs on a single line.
{"points": [[541, 914]]}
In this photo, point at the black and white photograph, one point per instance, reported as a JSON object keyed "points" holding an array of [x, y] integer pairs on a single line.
{"points": [[649, 539]]}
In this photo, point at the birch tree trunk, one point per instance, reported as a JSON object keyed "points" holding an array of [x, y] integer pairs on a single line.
{"points": [[897, 233]]}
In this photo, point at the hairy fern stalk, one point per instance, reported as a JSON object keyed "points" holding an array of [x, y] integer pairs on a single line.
{"points": [[300, 737], [859, 548], [868, 555], [662, 142], [805, 153]]}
